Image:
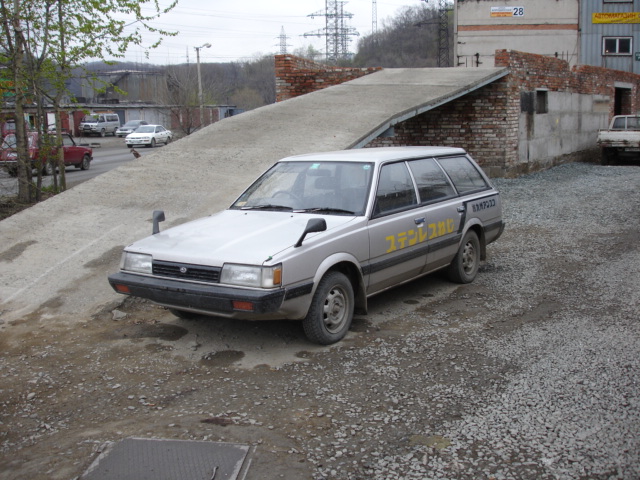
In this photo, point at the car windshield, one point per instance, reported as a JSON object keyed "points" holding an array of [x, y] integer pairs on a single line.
{"points": [[131, 124], [145, 129], [9, 141], [334, 188], [90, 118]]}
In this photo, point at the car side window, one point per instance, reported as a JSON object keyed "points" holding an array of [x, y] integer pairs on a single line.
{"points": [[395, 189], [432, 182], [465, 177], [67, 142]]}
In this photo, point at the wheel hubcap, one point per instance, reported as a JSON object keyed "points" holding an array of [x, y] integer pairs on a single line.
{"points": [[335, 309], [469, 258]]}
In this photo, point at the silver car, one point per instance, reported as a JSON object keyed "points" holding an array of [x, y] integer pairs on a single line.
{"points": [[317, 235], [130, 127]]}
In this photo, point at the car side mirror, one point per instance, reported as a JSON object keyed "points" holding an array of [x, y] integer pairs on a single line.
{"points": [[158, 216], [313, 225]]}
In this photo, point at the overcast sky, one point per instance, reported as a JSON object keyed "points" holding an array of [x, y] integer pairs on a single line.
{"points": [[243, 29]]}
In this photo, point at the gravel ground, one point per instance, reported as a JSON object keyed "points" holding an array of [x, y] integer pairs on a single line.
{"points": [[531, 372]]}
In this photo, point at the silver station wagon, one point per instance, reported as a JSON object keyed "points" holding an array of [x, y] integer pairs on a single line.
{"points": [[318, 234]]}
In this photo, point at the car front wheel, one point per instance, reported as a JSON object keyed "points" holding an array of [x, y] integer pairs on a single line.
{"points": [[47, 168], [331, 311], [465, 264], [153, 143]]}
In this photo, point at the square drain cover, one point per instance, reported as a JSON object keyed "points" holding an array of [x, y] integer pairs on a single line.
{"points": [[153, 459]]}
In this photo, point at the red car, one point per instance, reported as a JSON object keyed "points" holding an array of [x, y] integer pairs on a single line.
{"points": [[74, 154]]}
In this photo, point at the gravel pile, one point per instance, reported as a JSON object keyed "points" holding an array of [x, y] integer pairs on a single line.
{"points": [[538, 379]]}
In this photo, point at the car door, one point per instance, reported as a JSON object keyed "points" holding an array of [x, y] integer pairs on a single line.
{"points": [[161, 134], [443, 215], [396, 231], [72, 153]]}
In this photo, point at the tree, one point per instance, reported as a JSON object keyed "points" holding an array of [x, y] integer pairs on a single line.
{"points": [[42, 41], [410, 39]]}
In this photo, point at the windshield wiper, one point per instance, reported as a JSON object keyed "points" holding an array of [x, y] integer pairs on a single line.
{"points": [[326, 209], [266, 207]]}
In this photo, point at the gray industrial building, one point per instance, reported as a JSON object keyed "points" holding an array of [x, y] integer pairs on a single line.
{"points": [[601, 33]]}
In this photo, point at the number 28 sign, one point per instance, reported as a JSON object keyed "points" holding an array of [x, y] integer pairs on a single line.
{"points": [[507, 11]]}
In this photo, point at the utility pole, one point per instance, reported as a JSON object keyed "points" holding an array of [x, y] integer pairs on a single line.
{"points": [[200, 96], [336, 31], [444, 7], [283, 42]]}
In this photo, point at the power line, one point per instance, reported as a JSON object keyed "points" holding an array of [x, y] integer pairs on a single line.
{"points": [[336, 31]]}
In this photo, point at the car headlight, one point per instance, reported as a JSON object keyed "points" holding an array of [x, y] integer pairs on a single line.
{"points": [[251, 275], [137, 262]]}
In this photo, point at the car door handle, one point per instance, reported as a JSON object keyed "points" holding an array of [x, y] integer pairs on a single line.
{"points": [[419, 220], [461, 209]]}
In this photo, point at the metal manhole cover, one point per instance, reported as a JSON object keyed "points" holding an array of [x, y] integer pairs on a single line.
{"points": [[158, 459]]}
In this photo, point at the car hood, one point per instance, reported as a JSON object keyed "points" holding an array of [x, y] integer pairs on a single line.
{"points": [[233, 236], [138, 135]]}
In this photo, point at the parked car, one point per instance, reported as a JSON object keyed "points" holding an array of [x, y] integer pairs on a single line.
{"points": [[101, 124], [74, 155], [149, 136], [130, 127], [621, 141], [318, 234], [9, 156]]}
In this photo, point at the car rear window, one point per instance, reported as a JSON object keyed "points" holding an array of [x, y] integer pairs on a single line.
{"points": [[464, 175]]}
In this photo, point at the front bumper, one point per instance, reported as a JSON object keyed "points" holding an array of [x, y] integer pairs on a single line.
{"points": [[212, 299], [138, 141]]}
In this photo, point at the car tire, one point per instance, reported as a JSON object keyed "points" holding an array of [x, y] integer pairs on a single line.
{"points": [[464, 267], [152, 144], [168, 141], [103, 133], [47, 169], [183, 314], [331, 311], [86, 163]]}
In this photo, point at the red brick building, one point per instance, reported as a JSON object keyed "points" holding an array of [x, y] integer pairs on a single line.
{"points": [[541, 114]]}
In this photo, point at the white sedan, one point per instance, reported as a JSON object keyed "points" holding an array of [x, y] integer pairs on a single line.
{"points": [[149, 136]]}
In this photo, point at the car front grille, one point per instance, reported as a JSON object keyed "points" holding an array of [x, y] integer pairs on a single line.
{"points": [[185, 271]]}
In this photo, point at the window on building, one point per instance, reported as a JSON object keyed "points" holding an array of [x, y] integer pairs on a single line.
{"points": [[616, 45], [542, 101]]}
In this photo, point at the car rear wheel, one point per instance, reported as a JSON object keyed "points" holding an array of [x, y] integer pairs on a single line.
{"points": [[331, 311], [464, 267], [86, 163]]}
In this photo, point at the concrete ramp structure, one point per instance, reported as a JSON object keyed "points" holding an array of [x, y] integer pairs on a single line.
{"points": [[55, 256]]}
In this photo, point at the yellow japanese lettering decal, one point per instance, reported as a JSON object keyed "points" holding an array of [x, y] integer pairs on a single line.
{"points": [[413, 237]]}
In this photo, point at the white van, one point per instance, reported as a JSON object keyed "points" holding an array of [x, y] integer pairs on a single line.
{"points": [[99, 124]]}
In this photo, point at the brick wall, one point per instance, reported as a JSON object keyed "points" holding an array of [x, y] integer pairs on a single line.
{"points": [[296, 76], [490, 122], [483, 122]]}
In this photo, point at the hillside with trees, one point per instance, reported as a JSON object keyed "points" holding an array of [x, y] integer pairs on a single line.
{"points": [[408, 40]]}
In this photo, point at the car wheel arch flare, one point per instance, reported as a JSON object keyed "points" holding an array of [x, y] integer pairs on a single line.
{"points": [[478, 228], [348, 265]]}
